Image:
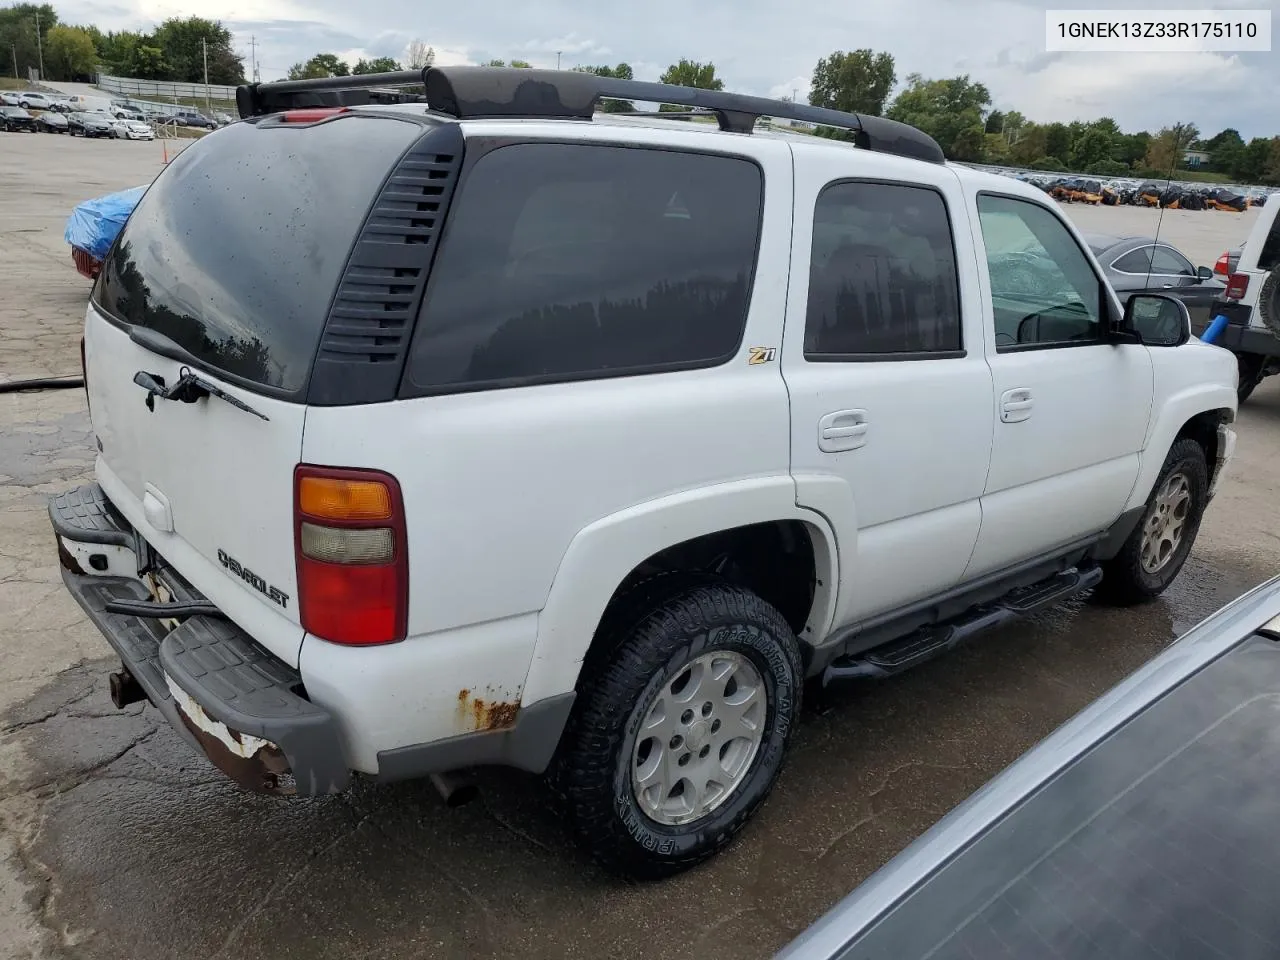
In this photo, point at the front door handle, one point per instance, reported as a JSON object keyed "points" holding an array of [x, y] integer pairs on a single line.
{"points": [[842, 430], [1015, 405]]}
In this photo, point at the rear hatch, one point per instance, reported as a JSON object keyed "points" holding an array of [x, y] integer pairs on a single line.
{"points": [[226, 270], [1259, 256]]}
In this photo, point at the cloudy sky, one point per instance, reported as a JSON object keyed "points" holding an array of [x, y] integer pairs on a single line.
{"points": [[766, 48]]}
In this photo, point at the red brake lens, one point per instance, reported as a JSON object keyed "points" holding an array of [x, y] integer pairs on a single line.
{"points": [[353, 561], [1237, 286]]}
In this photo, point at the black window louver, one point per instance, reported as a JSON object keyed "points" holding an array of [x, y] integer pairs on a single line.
{"points": [[371, 319]]}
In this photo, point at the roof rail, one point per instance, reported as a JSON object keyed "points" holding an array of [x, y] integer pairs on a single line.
{"points": [[496, 92]]}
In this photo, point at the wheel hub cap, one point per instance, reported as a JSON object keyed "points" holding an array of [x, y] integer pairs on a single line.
{"points": [[1166, 523], [698, 738]]}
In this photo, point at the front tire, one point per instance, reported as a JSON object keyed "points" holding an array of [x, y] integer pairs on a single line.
{"points": [[679, 736], [1158, 547]]}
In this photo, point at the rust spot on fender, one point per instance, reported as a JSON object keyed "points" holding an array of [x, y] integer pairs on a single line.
{"points": [[494, 711]]}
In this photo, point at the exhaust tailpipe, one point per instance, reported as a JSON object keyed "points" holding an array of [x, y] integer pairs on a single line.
{"points": [[125, 689], [455, 790]]}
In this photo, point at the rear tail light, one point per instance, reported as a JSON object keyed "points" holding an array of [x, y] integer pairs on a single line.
{"points": [[1237, 286], [1223, 266], [352, 555]]}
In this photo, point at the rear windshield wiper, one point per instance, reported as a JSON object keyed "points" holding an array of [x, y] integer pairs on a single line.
{"points": [[188, 388]]}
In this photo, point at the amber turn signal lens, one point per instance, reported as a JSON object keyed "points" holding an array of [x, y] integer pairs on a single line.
{"points": [[327, 498]]}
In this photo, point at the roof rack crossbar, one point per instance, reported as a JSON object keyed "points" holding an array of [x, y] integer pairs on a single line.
{"points": [[501, 92]]}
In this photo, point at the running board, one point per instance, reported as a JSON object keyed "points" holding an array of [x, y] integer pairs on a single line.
{"points": [[923, 645]]}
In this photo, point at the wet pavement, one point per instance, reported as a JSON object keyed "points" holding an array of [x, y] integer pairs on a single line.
{"points": [[117, 842]]}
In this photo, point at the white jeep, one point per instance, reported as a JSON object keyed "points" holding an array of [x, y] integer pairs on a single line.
{"points": [[1251, 302], [501, 432]]}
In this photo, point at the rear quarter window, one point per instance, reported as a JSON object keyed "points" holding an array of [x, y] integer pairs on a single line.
{"points": [[235, 250], [564, 261]]}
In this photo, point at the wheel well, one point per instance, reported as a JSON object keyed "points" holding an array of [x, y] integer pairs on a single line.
{"points": [[775, 560], [1203, 429]]}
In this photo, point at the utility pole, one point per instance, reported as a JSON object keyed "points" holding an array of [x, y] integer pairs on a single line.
{"points": [[253, 57], [557, 59], [205, 45], [13, 47], [39, 45]]}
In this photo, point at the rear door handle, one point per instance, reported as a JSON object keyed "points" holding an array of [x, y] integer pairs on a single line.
{"points": [[1015, 405], [842, 430]]}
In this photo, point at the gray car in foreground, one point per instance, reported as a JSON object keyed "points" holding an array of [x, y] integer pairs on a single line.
{"points": [[1145, 827]]}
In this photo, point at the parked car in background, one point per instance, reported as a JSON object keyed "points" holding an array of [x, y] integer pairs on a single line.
{"points": [[9, 98], [52, 122], [133, 130], [14, 119], [126, 110], [33, 100], [64, 106], [1251, 301], [1142, 828], [189, 118], [1143, 265], [90, 125], [222, 119]]}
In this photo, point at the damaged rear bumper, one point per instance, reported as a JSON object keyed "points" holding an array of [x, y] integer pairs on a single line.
{"points": [[245, 709]]}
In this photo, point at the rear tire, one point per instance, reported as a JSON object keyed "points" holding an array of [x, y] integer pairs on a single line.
{"points": [[1158, 547], [650, 773]]}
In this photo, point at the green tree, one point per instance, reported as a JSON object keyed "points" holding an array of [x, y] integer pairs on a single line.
{"points": [[1251, 166], [418, 55], [147, 62], [116, 50], [1131, 149], [496, 63], [951, 111], [69, 53], [1224, 150], [690, 73], [321, 65], [376, 65], [185, 41], [1092, 147], [622, 71], [995, 148], [18, 34], [1014, 122], [856, 82], [1030, 146], [1057, 140], [522, 64], [1166, 149], [995, 122]]}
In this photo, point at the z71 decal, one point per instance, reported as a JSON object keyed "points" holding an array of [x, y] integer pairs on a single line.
{"points": [[761, 354]]}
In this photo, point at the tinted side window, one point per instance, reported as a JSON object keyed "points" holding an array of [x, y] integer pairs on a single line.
{"points": [[1135, 261], [1167, 263], [234, 252], [562, 261], [883, 278], [1043, 289], [1269, 256]]}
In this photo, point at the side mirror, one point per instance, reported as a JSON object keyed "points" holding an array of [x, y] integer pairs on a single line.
{"points": [[1157, 320], [1204, 273]]}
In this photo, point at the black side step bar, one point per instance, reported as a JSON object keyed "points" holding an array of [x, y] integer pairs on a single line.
{"points": [[163, 611], [922, 645]]}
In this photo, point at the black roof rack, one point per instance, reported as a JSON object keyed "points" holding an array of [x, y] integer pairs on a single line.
{"points": [[496, 92]]}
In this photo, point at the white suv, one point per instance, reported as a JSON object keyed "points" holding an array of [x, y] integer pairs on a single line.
{"points": [[1251, 301], [497, 434]]}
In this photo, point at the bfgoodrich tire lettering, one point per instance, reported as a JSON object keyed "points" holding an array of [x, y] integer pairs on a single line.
{"points": [[1126, 578], [595, 766]]}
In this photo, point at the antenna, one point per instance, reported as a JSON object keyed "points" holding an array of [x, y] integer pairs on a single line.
{"points": [[1178, 130]]}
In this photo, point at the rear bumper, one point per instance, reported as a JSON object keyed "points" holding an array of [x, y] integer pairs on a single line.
{"points": [[1239, 336], [229, 698]]}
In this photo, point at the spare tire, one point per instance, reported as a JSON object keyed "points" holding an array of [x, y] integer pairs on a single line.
{"points": [[1269, 301]]}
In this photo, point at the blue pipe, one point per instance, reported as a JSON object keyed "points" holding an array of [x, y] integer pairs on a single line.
{"points": [[1214, 330]]}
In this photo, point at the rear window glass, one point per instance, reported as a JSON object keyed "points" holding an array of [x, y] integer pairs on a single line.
{"points": [[235, 251], [564, 261]]}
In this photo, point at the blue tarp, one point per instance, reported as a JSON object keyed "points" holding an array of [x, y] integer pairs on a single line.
{"points": [[94, 224]]}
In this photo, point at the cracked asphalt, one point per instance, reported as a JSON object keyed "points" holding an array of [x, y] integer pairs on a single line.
{"points": [[118, 842]]}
